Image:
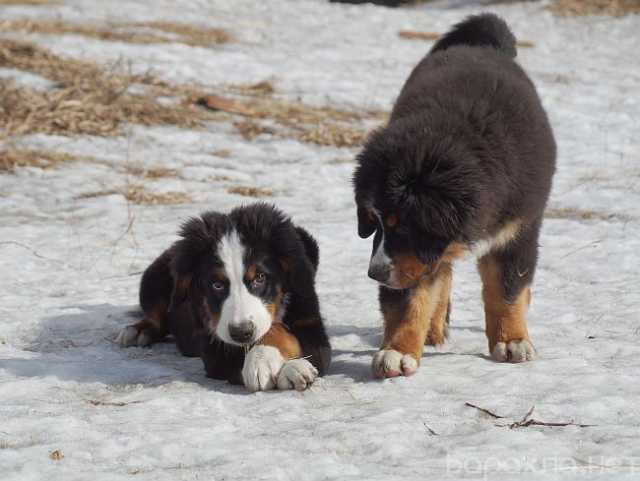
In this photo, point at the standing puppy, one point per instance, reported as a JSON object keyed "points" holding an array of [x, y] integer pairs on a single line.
{"points": [[238, 290], [464, 165]]}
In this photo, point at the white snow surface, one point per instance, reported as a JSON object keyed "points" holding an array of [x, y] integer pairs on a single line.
{"points": [[70, 269]]}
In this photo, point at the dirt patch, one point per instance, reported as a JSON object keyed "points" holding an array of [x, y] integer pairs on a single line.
{"points": [[251, 191], [616, 8], [582, 214], [137, 194], [140, 33], [88, 100]]}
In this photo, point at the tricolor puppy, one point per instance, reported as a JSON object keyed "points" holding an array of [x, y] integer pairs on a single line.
{"points": [[464, 165], [238, 290]]}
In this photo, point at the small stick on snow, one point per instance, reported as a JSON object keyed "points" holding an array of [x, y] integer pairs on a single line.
{"points": [[486, 411], [526, 421], [431, 431]]}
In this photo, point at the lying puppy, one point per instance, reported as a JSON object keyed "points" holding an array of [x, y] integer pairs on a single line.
{"points": [[465, 164], [238, 290]]}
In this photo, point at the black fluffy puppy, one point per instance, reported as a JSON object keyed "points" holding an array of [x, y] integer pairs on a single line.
{"points": [[464, 165], [238, 290]]}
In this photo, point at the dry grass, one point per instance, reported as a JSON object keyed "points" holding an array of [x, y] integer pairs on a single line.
{"points": [[140, 33], [616, 8], [306, 123], [89, 100], [29, 2], [250, 191], [250, 129], [433, 36], [137, 194], [153, 173], [10, 159], [582, 214], [190, 34]]}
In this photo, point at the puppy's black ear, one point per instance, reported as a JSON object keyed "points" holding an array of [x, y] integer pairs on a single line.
{"points": [[310, 247], [198, 236], [366, 224]]}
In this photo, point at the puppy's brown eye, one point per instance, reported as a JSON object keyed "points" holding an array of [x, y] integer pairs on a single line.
{"points": [[217, 286], [260, 279]]}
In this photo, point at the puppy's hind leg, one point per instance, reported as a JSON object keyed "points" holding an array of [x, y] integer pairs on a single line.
{"points": [[155, 294]]}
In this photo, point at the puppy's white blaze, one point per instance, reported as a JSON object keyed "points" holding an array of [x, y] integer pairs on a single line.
{"points": [[240, 305], [380, 256]]}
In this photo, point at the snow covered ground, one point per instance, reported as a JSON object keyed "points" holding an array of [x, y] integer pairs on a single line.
{"points": [[70, 268]]}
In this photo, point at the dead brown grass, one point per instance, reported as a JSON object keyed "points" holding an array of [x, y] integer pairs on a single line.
{"points": [[250, 191], [29, 2], [137, 194], [89, 100], [616, 8], [140, 33], [153, 173], [10, 159], [582, 214], [96, 101], [306, 123]]}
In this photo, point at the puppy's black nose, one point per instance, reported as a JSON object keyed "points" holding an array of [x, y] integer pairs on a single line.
{"points": [[242, 332], [379, 272]]}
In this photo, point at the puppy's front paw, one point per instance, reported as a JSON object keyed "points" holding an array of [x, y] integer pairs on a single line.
{"points": [[297, 374], [261, 368], [514, 351], [391, 363], [133, 336]]}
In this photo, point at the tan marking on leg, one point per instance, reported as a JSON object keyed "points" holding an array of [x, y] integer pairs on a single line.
{"points": [[405, 329], [454, 251], [505, 321], [281, 338], [438, 328]]}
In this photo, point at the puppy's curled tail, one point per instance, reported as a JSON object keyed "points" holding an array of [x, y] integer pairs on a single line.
{"points": [[484, 30]]}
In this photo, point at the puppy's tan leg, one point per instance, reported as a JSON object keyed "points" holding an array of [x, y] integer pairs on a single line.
{"points": [[280, 337], [506, 327], [152, 328], [439, 322], [407, 321]]}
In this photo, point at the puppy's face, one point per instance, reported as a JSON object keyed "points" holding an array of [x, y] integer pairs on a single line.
{"points": [[243, 291], [238, 270], [402, 252]]}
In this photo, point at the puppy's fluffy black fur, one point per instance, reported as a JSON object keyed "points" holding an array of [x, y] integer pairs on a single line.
{"points": [[468, 146], [465, 163]]}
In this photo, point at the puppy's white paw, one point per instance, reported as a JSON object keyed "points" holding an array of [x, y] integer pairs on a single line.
{"points": [[514, 351], [132, 336], [297, 374], [261, 368], [391, 363]]}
